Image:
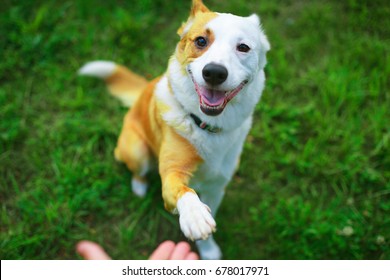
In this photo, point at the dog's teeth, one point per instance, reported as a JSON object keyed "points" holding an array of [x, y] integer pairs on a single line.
{"points": [[204, 105], [210, 107]]}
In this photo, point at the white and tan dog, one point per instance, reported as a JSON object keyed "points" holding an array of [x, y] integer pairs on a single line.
{"points": [[194, 118]]}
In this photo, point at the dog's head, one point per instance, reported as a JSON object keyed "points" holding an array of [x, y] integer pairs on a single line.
{"points": [[221, 55]]}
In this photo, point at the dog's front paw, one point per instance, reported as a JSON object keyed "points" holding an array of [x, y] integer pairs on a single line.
{"points": [[196, 221]]}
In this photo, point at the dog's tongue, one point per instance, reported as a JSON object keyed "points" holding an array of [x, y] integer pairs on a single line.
{"points": [[212, 97]]}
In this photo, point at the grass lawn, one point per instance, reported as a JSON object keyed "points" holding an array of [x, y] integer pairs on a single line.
{"points": [[314, 182]]}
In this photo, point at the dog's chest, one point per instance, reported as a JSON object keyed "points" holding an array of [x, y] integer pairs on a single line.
{"points": [[220, 151], [220, 154]]}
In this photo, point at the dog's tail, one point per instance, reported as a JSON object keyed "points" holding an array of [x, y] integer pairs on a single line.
{"points": [[121, 82]]}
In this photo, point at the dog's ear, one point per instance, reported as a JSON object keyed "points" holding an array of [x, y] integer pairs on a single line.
{"points": [[197, 7], [265, 45], [255, 19]]}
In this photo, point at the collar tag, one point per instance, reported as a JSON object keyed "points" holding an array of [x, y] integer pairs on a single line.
{"points": [[205, 126]]}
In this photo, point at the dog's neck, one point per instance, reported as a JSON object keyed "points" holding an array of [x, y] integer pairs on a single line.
{"points": [[205, 126]]}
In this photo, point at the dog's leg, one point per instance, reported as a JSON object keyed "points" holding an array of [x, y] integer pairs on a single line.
{"points": [[213, 193], [212, 196], [134, 152], [177, 162], [209, 249], [139, 185]]}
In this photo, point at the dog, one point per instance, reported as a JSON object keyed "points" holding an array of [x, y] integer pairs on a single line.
{"points": [[194, 118]]}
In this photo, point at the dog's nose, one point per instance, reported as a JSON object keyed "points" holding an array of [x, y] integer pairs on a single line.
{"points": [[214, 74]]}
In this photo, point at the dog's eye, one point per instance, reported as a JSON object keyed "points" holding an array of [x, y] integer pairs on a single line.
{"points": [[243, 48], [201, 42]]}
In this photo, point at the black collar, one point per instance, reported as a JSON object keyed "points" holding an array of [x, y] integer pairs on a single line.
{"points": [[205, 126]]}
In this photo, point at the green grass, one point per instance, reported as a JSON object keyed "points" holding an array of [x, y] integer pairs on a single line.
{"points": [[315, 168]]}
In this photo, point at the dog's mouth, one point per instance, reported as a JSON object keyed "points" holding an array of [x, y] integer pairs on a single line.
{"points": [[212, 102]]}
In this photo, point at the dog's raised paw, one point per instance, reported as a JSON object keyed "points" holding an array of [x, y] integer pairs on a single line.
{"points": [[196, 221]]}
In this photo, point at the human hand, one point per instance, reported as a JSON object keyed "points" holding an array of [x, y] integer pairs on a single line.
{"points": [[167, 250]]}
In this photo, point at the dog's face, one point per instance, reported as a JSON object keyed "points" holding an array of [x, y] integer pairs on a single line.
{"points": [[221, 54]]}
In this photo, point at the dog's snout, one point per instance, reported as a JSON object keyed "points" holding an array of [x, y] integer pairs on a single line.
{"points": [[214, 74]]}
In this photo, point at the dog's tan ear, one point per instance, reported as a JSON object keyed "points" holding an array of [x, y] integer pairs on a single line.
{"points": [[197, 7]]}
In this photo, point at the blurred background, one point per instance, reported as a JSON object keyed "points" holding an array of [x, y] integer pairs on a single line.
{"points": [[314, 176]]}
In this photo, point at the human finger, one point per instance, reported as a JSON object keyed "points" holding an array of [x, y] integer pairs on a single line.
{"points": [[181, 251], [163, 251], [91, 251]]}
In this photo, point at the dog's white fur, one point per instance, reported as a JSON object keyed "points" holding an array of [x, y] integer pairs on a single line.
{"points": [[221, 151]]}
